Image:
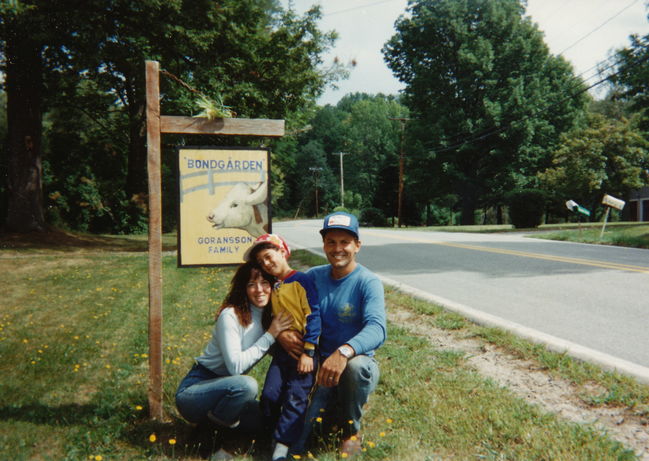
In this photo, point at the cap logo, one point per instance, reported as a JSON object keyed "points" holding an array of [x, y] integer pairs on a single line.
{"points": [[340, 220]]}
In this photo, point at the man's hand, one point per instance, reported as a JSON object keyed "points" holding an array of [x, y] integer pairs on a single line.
{"points": [[331, 369], [291, 342]]}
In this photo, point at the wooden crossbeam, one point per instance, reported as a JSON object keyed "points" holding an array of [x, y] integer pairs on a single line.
{"points": [[223, 126]]}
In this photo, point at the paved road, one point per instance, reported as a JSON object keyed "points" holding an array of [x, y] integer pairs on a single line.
{"points": [[592, 297]]}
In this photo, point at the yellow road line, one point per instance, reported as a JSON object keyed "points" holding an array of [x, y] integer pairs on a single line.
{"points": [[523, 254]]}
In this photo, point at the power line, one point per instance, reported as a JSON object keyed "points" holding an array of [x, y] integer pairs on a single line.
{"points": [[561, 7], [601, 25], [357, 7], [494, 130]]}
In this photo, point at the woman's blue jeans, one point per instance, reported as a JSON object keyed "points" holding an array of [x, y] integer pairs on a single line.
{"points": [[229, 398]]}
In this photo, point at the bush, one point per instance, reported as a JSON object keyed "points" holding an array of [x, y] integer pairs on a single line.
{"points": [[345, 209], [372, 217], [438, 215], [526, 207]]}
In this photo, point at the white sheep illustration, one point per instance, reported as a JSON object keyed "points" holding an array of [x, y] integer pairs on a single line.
{"points": [[243, 207]]}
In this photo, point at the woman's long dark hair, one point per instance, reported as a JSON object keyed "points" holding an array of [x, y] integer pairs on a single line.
{"points": [[237, 297]]}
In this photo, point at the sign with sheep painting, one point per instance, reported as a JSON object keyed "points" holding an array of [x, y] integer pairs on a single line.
{"points": [[224, 196]]}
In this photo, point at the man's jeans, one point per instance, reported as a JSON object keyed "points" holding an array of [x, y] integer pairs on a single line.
{"points": [[228, 398], [356, 384]]}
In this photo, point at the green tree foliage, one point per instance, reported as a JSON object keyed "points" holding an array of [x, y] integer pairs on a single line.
{"points": [[261, 60], [360, 127], [607, 157], [313, 184], [488, 98], [632, 77], [372, 141]]}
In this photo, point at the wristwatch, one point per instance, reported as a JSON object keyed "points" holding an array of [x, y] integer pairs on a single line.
{"points": [[346, 351], [310, 352]]}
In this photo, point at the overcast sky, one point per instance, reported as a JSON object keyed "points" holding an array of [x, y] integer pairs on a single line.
{"points": [[583, 31]]}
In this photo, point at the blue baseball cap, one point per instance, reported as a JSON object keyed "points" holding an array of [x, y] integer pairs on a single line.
{"points": [[340, 220]]}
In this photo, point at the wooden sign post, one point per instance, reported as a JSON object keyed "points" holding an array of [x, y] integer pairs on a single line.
{"points": [[156, 125]]}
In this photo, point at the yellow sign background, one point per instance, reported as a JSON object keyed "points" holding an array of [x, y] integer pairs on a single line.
{"points": [[206, 177]]}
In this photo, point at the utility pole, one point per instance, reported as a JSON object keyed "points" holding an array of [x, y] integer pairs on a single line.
{"points": [[315, 170], [403, 121], [342, 181]]}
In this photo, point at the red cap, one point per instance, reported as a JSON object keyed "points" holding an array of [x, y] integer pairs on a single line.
{"points": [[275, 239]]}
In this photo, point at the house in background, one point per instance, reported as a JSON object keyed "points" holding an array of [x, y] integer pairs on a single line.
{"points": [[639, 205]]}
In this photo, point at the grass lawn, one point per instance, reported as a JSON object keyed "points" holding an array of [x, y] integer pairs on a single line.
{"points": [[74, 371], [620, 234]]}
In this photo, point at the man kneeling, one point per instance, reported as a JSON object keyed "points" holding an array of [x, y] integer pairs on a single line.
{"points": [[352, 310]]}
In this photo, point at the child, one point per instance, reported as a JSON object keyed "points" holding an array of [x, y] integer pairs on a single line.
{"points": [[284, 398]]}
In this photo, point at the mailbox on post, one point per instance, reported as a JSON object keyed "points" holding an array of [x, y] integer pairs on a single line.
{"points": [[613, 202], [610, 202], [575, 207], [578, 210]]}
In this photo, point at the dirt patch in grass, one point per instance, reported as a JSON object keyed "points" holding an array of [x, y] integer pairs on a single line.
{"points": [[529, 381]]}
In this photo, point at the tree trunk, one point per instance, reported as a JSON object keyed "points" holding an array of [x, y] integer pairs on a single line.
{"points": [[468, 212], [468, 206], [24, 80], [136, 176]]}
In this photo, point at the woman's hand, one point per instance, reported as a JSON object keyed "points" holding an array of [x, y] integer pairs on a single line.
{"points": [[280, 323]]}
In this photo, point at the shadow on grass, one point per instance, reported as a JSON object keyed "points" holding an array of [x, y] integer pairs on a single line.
{"points": [[175, 438], [59, 240]]}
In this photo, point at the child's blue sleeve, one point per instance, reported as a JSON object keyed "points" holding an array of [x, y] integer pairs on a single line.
{"points": [[313, 321]]}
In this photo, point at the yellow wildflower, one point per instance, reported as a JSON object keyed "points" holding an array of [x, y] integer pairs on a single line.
{"points": [[172, 441], [138, 407], [152, 438]]}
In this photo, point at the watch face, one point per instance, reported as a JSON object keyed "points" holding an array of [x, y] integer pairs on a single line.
{"points": [[345, 351]]}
